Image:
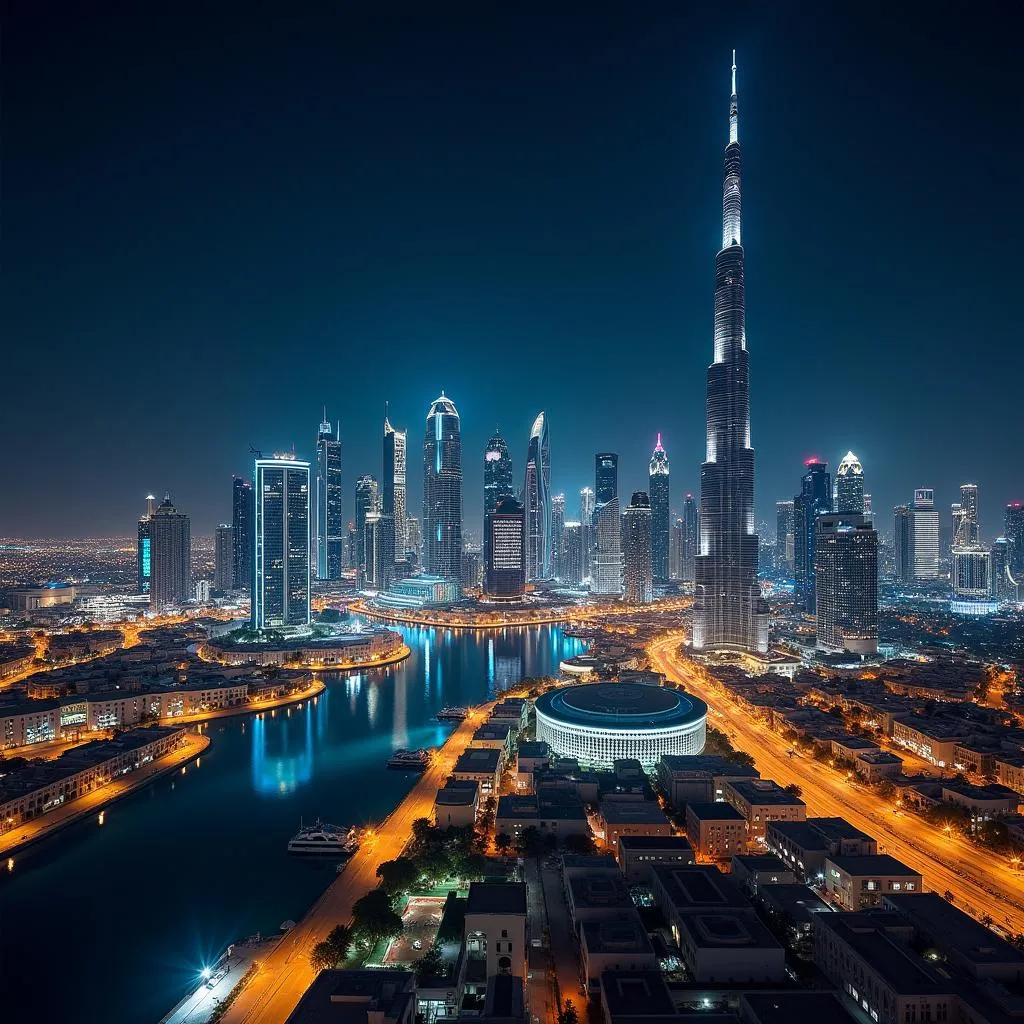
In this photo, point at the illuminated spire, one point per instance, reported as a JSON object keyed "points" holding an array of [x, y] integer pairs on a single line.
{"points": [[731, 192], [734, 113]]}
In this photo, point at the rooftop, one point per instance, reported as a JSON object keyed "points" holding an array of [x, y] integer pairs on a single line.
{"points": [[705, 764], [457, 793], [787, 1007], [797, 902], [717, 811], [496, 898], [699, 887], [641, 993], [632, 812], [763, 791], [478, 759], [345, 997], [534, 748], [728, 929], [873, 864], [621, 705], [621, 932], [675, 844]]}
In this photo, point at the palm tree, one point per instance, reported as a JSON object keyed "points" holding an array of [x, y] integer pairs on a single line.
{"points": [[322, 957]]}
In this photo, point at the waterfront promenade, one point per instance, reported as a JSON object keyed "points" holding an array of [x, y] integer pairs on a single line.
{"points": [[285, 973], [39, 828]]}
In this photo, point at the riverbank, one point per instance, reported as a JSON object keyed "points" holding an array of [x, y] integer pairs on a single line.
{"points": [[285, 973], [315, 688], [40, 828], [437, 622]]}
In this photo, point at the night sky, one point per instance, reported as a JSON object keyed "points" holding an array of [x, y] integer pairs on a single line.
{"points": [[215, 222]]}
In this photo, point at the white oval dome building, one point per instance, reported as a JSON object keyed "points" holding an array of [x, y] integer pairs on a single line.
{"points": [[600, 722]]}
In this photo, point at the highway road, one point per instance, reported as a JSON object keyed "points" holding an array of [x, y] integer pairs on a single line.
{"points": [[980, 883], [284, 973]]}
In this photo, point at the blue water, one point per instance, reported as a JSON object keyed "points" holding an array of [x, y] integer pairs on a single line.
{"points": [[113, 923]]}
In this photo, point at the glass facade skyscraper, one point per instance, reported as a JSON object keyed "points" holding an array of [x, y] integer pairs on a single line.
{"points": [[606, 568], [784, 540], [1013, 531], [850, 485], [170, 534], [557, 533], [691, 538], [223, 557], [393, 492], [925, 520], [658, 489], [537, 499], [329, 523], [281, 558], [243, 513], [846, 589], [505, 569], [367, 501], [638, 561], [903, 543], [144, 548], [442, 491], [729, 612], [815, 498]]}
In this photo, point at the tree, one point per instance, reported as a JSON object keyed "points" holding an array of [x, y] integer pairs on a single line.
{"points": [[398, 876], [423, 831], [948, 896], [322, 957], [430, 965], [531, 843], [794, 790], [567, 1014], [473, 866], [579, 843], [339, 938], [374, 918], [503, 841]]}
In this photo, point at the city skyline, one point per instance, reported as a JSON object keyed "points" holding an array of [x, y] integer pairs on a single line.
{"points": [[640, 274]]}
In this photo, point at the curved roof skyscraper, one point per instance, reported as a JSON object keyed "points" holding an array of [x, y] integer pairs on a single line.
{"points": [[537, 499]]}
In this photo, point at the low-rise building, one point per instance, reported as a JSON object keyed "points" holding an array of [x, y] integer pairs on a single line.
{"points": [[495, 939], [514, 710], [751, 871], [530, 756], [716, 830], [615, 942], [848, 747], [934, 739], [358, 997], [476, 764], [592, 894], [1010, 772], [635, 995], [495, 736], [874, 766], [794, 1007], [631, 818], [855, 883], [636, 855], [984, 802], [557, 812], [457, 803], [698, 778], [805, 845], [761, 802], [791, 908]]}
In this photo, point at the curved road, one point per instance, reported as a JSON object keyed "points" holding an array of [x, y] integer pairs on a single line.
{"points": [[980, 883]]}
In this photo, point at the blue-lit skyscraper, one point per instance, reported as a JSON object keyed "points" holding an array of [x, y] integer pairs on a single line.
{"points": [[281, 557], [606, 569], [537, 500], [144, 547], [442, 491], [393, 484], [243, 513], [729, 612], [658, 491], [329, 521], [815, 498]]}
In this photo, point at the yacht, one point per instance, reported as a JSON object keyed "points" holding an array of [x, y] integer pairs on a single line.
{"points": [[452, 714], [326, 839], [415, 760]]}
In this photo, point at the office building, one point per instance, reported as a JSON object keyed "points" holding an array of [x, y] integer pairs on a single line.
{"points": [[658, 483], [999, 566], [846, 572], [1013, 531], [505, 569], [497, 482], [784, 536], [676, 544], [638, 554], [692, 538], [170, 542], [329, 521], [971, 573], [223, 557], [393, 502], [144, 548], [367, 497], [537, 500], [413, 539], [966, 524], [379, 550], [729, 612], [606, 569], [587, 530], [903, 543], [571, 557], [557, 533], [243, 512], [281, 560], [815, 497], [442, 491], [925, 526], [850, 485]]}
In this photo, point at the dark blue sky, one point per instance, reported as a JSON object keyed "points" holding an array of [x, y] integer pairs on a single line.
{"points": [[216, 221]]}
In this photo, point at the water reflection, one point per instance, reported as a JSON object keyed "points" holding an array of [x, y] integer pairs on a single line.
{"points": [[277, 768]]}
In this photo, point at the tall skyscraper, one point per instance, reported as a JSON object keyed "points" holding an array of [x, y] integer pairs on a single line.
{"points": [[329, 518], [784, 536], [442, 490], [557, 533], [413, 538], [586, 506], [638, 567], [692, 538], [970, 524], [170, 556], [367, 501], [815, 497], [497, 472], [658, 483], [379, 550], [537, 498], [1000, 587], [572, 554], [223, 557], [926, 535], [850, 485], [144, 547], [281, 560], [729, 612], [587, 531], [846, 591], [1013, 531], [903, 543], [606, 570], [676, 544], [393, 501], [243, 512], [505, 569]]}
